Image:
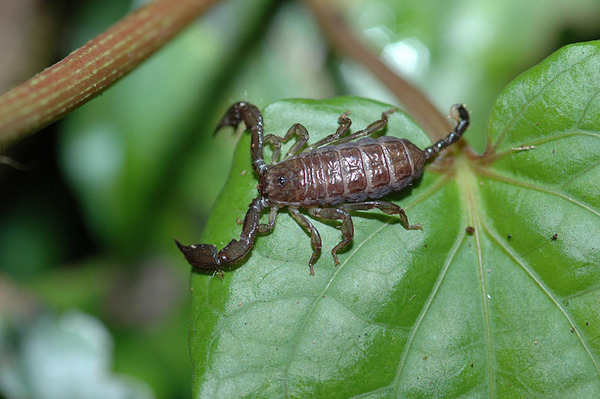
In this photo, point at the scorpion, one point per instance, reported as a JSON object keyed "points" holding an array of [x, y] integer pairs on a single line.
{"points": [[332, 177]]}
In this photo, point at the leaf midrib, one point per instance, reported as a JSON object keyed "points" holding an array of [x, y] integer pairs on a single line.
{"points": [[467, 182]]}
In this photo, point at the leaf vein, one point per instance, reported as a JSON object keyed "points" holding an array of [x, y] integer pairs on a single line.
{"points": [[508, 180], [553, 136], [587, 106]]}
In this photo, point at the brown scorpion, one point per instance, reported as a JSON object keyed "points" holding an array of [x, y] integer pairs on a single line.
{"points": [[329, 179]]}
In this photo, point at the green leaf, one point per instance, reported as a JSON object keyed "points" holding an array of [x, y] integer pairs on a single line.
{"points": [[510, 310]]}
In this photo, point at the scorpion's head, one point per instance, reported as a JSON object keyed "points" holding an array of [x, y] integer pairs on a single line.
{"points": [[283, 183]]}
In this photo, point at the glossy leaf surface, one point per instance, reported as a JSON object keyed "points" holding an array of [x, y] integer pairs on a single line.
{"points": [[509, 309]]}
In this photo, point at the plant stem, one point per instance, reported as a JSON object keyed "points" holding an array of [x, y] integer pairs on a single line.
{"points": [[94, 67], [341, 38]]}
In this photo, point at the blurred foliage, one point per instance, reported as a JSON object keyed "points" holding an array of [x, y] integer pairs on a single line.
{"points": [[63, 358], [89, 223]]}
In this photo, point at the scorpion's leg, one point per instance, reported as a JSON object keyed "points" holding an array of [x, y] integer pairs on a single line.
{"points": [[275, 143], [347, 226], [250, 114], [343, 127], [315, 237], [265, 228], [372, 128], [385, 207], [206, 257], [300, 131], [301, 134]]}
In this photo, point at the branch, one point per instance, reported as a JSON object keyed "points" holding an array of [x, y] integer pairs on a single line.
{"points": [[341, 38], [93, 68]]}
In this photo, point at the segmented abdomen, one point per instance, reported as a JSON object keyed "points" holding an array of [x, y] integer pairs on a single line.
{"points": [[361, 170]]}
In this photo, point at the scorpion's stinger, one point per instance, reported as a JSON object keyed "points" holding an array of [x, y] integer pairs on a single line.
{"points": [[459, 113], [250, 114]]}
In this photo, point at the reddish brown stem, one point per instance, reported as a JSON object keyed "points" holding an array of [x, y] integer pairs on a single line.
{"points": [[89, 70], [341, 38]]}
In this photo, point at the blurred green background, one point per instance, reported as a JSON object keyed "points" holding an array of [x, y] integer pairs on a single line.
{"points": [[94, 295]]}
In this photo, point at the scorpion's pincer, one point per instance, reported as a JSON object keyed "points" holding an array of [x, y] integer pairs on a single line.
{"points": [[202, 256]]}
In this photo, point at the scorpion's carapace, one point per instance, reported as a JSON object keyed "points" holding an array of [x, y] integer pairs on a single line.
{"points": [[336, 175]]}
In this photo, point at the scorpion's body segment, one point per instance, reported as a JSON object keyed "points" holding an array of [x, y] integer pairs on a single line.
{"points": [[350, 172], [329, 179]]}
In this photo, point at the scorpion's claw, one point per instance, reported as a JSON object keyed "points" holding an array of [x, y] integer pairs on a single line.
{"points": [[225, 122], [222, 124], [234, 115], [249, 114], [201, 256]]}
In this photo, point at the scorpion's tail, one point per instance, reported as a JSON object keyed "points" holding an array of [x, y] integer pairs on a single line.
{"points": [[459, 113], [206, 257], [250, 114]]}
